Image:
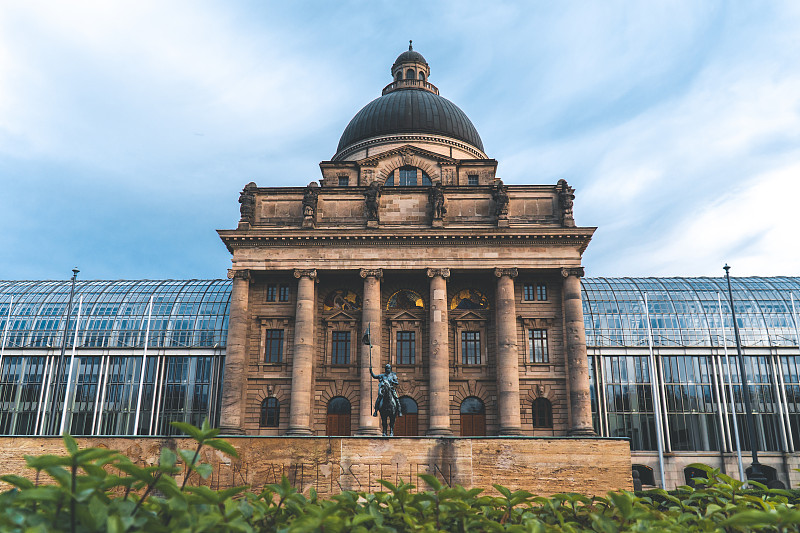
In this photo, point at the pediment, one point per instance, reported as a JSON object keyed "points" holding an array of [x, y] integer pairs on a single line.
{"points": [[407, 150], [404, 315], [341, 316], [468, 315]]}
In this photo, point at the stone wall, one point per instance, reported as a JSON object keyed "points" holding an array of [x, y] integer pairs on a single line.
{"points": [[331, 464]]}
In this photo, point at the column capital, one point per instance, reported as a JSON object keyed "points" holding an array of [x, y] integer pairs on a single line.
{"points": [[441, 272], [239, 274], [510, 272], [305, 273], [577, 272], [371, 273]]}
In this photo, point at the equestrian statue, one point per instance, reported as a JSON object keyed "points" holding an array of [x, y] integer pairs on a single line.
{"points": [[387, 403]]}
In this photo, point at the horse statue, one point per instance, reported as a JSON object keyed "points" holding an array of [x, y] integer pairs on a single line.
{"points": [[387, 403]]}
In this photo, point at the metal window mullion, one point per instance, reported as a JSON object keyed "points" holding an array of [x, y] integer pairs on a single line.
{"points": [[782, 392], [663, 393], [44, 387], [601, 396], [97, 393], [104, 381], [156, 373], [782, 415], [719, 397], [159, 400]]}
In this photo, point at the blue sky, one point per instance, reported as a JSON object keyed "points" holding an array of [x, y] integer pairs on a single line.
{"points": [[128, 128]]}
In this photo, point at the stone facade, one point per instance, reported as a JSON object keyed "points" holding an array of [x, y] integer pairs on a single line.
{"points": [[469, 287], [330, 465]]}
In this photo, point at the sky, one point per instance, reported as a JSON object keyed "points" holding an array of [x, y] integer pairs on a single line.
{"points": [[128, 128]]}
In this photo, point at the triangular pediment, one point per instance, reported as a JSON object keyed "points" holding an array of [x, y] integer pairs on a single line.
{"points": [[407, 150], [468, 315], [404, 315], [341, 316]]}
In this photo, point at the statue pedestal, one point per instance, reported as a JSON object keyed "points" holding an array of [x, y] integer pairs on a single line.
{"points": [[308, 222], [502, 222], [437, 223], [372, 223]]}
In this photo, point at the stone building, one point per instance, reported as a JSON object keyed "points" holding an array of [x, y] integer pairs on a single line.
{"points": [[470, 288]]}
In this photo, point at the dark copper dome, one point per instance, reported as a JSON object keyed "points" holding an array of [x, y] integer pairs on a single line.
{"points": [[410, 111]]}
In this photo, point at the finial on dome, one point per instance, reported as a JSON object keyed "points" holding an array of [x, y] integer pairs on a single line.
{"points": [[409, 45]]}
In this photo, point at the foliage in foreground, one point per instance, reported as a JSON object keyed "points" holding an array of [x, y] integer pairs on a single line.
{"points": [[86, 495]]}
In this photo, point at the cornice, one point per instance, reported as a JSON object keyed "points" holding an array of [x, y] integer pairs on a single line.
{"points": [[551, 236]]}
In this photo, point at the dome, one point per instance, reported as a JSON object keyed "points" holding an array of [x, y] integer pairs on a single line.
{"points": [[410, 111], [410, 56]]}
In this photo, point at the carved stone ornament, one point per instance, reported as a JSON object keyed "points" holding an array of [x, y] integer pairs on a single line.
{"points": [[310, 199], [372, 200], [577, 271], [305, 273], [247, 199], [238, 274], [406, 156], [371, 272], [441, 272], [510, 272], [500, 197], [436, 198], [566, 195]]}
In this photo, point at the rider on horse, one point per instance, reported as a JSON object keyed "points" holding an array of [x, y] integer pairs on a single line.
{"points": [[389, 379]]}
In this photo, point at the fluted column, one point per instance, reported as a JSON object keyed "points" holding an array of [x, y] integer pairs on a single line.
{"points": [[507, 355], [303, 358], [234, 382], [580, 400], [370, 320], [439, 354]]}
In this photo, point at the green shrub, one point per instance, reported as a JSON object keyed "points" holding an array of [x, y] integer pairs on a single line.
{"points": [[87, 496]]}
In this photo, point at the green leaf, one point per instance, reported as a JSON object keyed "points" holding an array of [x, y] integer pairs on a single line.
{"points": [[223, 446], [204, 470], [189, 429], [18, 481], [167, 459], [41, 462], [70, 443]]}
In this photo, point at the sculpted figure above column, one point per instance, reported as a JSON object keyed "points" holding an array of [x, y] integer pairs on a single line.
{"points": [[579, 395]]}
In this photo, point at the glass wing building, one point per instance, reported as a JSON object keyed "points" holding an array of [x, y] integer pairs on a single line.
{"points": [[175, 330]]}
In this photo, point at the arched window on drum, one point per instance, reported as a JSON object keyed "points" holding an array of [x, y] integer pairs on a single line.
{"points": [[407, 177], [407, 425], [473, 417], [338, 421]]}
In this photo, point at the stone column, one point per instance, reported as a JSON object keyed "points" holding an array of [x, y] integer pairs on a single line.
{"points": [[303, 358], [234, 383], [439, 354], [577, 361], [507, 355], [370, 319]]}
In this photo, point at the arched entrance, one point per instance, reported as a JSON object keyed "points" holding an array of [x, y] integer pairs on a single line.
{"points": [[338, 422], [473, 417], [407, 425]]}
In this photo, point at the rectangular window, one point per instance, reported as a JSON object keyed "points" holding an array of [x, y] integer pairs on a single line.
{"points": [[340, 349], [529, 293], [471, 347], [274, 346], [406, 347], [541, 292], [271, 292], [344, 181], [472, 179], [283, 293], [537, 346], [408, 177]]}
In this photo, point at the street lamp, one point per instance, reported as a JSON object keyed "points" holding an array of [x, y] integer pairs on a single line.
{"points": [[750, 421], [51, 423]]}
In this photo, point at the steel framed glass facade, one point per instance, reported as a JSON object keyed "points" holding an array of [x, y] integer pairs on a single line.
{"points": [[692, 328], [185, 330]]}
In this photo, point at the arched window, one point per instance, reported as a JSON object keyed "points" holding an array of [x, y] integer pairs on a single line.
{"points": [[645, 474], [338, 423], [405, 299], [398, 75], [473, 417], [407, 177], [469, 299], [270, 413], [542, 413], [407, 425], [421, 76], [410, 74]]}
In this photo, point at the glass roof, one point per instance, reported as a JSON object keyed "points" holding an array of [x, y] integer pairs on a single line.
{"points": [[686, 311], [114, 314], [194, 313]]}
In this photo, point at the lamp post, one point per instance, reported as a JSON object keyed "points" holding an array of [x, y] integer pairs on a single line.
{"points": [[750, 421], [51, 423]]}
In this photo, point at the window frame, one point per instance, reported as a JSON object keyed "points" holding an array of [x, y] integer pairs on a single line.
{"points": [[264, 415], [543, 342]]}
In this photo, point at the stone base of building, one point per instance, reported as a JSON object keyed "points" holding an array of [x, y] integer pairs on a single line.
{"points": [[332, 464]]}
